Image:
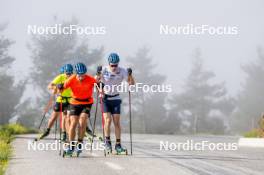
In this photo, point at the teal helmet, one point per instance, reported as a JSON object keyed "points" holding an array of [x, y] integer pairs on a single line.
{"points": [[68, 69], [62, 70], [80, 68], [113, 58]]}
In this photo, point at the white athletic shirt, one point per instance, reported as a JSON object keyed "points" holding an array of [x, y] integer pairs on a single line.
{"points": [[112, 80]]}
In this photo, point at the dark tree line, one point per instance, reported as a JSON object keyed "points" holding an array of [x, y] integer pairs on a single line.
{"points": [[10, 93], [203, 106], [148, 108]]}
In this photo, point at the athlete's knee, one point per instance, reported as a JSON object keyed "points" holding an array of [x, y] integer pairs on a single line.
{"points": [[108, 119], [54, 115], [73, 122], [108, 122], [116, 119], [117, 124], [83, 125]]}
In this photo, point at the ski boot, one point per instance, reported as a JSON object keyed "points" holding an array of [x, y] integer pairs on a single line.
{"points": [[100, 139], [89, 132], [79, 148], [108, 147], [45, 134], [119, 150], [68, 152]]}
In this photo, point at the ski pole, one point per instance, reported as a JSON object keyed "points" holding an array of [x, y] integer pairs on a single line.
{"points": [[129, 70], [96, 108], [99, 70], [46, 109], [102, 110], [130, 122], [60, 125], [56, 126], [90, 122]]}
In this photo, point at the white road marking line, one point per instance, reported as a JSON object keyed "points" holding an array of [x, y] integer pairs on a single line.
{"points": [[114, 166]]}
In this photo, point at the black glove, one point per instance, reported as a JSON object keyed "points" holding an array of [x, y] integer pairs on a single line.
{"points": [[129, 71], [99, 70], [60, 86]]}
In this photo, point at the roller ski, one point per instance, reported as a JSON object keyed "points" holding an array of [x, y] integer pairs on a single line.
{"points": [[99, 138], [67, 153], [78, 152], [89, 132], [119, 150], [79, 148], [42, 136], [62, 142], [71, 152]]}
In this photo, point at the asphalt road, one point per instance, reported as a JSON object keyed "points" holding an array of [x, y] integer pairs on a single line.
{"points": [[147, 159]]}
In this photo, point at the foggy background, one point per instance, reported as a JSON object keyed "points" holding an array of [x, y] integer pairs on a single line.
{"points": [[217, 80]]}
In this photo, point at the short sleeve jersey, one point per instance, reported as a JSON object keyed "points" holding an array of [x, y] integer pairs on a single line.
{"points": [[60, 79]]}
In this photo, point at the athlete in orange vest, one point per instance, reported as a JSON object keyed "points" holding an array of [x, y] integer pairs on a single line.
{"points": [[81, 85]]}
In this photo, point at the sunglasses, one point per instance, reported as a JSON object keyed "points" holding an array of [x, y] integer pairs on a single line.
{"points": [[113, 65]]}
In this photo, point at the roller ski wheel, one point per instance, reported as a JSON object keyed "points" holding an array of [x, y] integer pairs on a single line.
{"points": [[119, 150], [65, 154]]}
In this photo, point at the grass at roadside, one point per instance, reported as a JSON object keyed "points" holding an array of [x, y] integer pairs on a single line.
{"points": [[6, 136], [254, 133]]}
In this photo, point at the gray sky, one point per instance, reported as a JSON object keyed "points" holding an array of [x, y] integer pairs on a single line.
{"points": [[134, 24]]}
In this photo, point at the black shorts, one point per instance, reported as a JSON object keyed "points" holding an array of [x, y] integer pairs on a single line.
{"points": [[112, 106], [57, 107], [78, 109]]}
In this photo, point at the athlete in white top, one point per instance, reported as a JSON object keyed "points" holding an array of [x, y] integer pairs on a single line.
{"points": [[112, 76], [112, 79]]}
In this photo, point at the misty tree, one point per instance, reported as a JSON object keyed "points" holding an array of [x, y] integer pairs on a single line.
{"points": [[50, 52], [173, 121], [203, 106], [148, 108], [250, 100], [27, 113], [10, 93]]}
